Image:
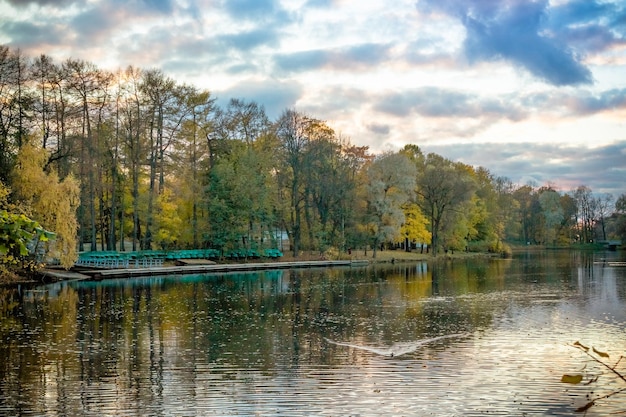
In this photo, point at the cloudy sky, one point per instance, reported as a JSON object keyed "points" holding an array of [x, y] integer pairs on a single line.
{"points": [[531, 90]]}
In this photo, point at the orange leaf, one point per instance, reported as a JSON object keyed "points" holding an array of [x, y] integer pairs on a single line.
{"points": [[602, 354]]}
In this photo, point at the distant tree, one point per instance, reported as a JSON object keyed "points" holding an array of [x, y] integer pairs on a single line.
{"points": [[568, 224], [391, 182], [552, 210], [190, 165], [134, 144], [620, 204], [293, 131], [490, 207], [586, 213], [524, 198], [9, 109], [620, 214], [245, 121], [604, 204], [415, 226], [169, 225], [443, 188]]}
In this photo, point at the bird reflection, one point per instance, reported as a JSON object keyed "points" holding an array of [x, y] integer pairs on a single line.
{"points": [[399, 348]]}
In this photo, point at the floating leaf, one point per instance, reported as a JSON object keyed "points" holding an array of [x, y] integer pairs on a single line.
{"points": [[601, 354], [572, 379], [580, 345]]}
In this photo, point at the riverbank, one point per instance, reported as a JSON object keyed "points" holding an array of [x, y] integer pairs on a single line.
{"points": [[303, 260]]}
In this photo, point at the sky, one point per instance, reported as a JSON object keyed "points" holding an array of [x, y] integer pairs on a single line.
{"points": [[534, 91]]}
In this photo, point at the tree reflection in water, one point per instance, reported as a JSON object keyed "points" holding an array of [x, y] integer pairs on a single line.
{"points": [[473, 336]]}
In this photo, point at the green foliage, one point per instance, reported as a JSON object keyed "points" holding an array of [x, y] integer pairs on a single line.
{"points": [[17, 232], [169, 225], [391, 182], [52, 202], [106, 157]]}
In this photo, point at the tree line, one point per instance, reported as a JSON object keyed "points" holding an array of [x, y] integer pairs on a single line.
{"points": [[134, 160]]}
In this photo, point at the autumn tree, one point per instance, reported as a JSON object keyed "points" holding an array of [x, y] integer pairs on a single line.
{"points": [[12, 75], [552, 211], [604, 204], [586, 213], [292, 130], [620, 217], [190, 165], [443, 188], [134, 144], [492, 205], [415, 227], [21, 239], [52, 202], [391, 182]]}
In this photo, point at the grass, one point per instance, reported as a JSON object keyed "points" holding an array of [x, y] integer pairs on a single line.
{"points": [[385, 256]]}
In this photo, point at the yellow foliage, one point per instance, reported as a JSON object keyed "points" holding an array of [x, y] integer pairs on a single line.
{"points": [[168, 221], [415, 225], [53, 203]]}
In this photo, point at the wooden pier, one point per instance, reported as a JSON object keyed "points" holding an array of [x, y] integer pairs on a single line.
{"points": [[98, 274]]}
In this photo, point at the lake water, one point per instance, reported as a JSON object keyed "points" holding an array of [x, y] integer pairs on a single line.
{"points": [[456, 338]]}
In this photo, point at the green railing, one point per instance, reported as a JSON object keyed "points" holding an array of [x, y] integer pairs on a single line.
{"points": [[151, 258]]}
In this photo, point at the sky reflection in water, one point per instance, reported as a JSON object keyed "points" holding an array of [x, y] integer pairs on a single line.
{"points": [[468, 337]]}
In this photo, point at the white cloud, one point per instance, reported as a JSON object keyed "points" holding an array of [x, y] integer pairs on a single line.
{"points": [[384, 74]]}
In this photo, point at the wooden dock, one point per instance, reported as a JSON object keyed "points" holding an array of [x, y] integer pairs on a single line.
{"points": [[193, 268]]}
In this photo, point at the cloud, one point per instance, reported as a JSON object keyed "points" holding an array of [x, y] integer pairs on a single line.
{"points": [[379, 129], [589, 24], [587, 103], [58, 4], [320, 3], [512, 30], [248, 40], [600, 168], [163, 6], [30, 34], [438, 102], [346, 58], [93, 24], [275, 96], [256, 10]]}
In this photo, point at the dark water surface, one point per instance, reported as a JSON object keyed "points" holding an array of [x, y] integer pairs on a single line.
{"points": [[475, 337]]}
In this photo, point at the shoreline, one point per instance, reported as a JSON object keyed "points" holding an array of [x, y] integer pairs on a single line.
{"points": [[311, 259]]}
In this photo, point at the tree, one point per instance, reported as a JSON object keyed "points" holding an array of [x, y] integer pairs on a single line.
{"points": [[292, 130], [190, 160], [604, 204], [134, 143], [550, 202], [53, 203], [442, 189], [391, 182], [9, 110], [17, 233], [20, 236], [523, 215], [620, 214], [415, 225], [586, 213]]}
